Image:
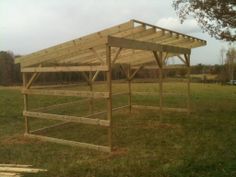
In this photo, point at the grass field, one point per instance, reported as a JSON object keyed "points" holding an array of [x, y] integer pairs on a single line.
{"points": [[201, 145]]}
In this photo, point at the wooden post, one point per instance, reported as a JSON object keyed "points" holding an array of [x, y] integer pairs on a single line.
{"points": [[188, 82], [160, 83], [109, 99], [91, 102], [129, 84], [25, 104]]}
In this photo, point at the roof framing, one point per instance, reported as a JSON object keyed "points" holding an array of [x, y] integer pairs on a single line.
{"points": [[132, 35]]}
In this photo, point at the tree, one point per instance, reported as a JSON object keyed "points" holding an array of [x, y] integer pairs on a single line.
{"points": [[6, 68], [217, 17], [231, 60]]}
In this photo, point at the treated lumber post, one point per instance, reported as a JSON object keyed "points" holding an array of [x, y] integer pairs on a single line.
{"points": [[129, 84], [25, 103], [159, 59], [91, 102], [109, 89], [187, 57], [161, 83]]}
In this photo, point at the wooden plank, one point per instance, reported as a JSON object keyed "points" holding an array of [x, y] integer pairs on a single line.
{"points": [[71, 143], [97, 55], [104, 112], [109, 89], [48, 127], [75, 44], [21, 170], [25, 103], [116, 56], [142, 45], [129, 88], [164, 29], [9, 174], [166, 109], [64, 69], [60, 105], [86, 94], [66, 118], [14, 165], [168, 67]]}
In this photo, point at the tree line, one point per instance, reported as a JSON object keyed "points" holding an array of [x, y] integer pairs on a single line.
{"points": [[10, 73]]}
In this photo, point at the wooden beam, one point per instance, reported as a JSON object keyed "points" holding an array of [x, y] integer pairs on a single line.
{"points": [[123, 69], [70, 143], [129, 88], [109, 89], [142, 45], [86, 94], [64, 69], [166, 109], [183, 60], [25, 103], [60, 105], [79, 44], [168, 67], [135, 72], [97, 55], [21, 169], [116, 55], [66, 118], [32, 79]]}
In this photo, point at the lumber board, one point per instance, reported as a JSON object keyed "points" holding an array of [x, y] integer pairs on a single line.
{"points": [[164, 29], [77, 43], [83, 120], [60, 105], [142, 45], [86, 94], [21, 170], [167, 109], [9, 174], [71, 143], [64, 69], [67, 118]]}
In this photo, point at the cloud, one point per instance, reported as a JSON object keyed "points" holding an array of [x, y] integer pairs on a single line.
{"points": [[189, 26]]}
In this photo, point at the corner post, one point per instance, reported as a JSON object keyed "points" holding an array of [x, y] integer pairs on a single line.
{"points": [[160, 82], [109, 99], [25, 103], [91, 102], [187, 58], [129, 85]]}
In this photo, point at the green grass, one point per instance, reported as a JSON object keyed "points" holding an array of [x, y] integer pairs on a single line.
{"points": [[202, 145]]}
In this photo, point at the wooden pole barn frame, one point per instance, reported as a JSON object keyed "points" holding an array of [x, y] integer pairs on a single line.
{"points": [[137, 44]]}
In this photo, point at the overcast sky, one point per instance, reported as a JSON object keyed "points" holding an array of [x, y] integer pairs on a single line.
{"points": [[30, 25]]}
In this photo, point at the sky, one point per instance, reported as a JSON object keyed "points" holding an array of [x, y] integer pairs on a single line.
{"points": [[30, 25]]}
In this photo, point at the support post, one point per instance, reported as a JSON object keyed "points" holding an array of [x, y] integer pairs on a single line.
{"points": [[161, 83], [91, 101], [159, 60], [25, 103], [187, 57], [109, 99], [129, 85]]}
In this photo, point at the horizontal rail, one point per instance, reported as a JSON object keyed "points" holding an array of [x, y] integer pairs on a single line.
{"points": [[64, 69], [48, 127], [103, 112], [157, 93], [164, 67], [143, 45], [60, 105], [87, 94], [84, 120], [121, 93], [71, 143], [158, 108]]}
